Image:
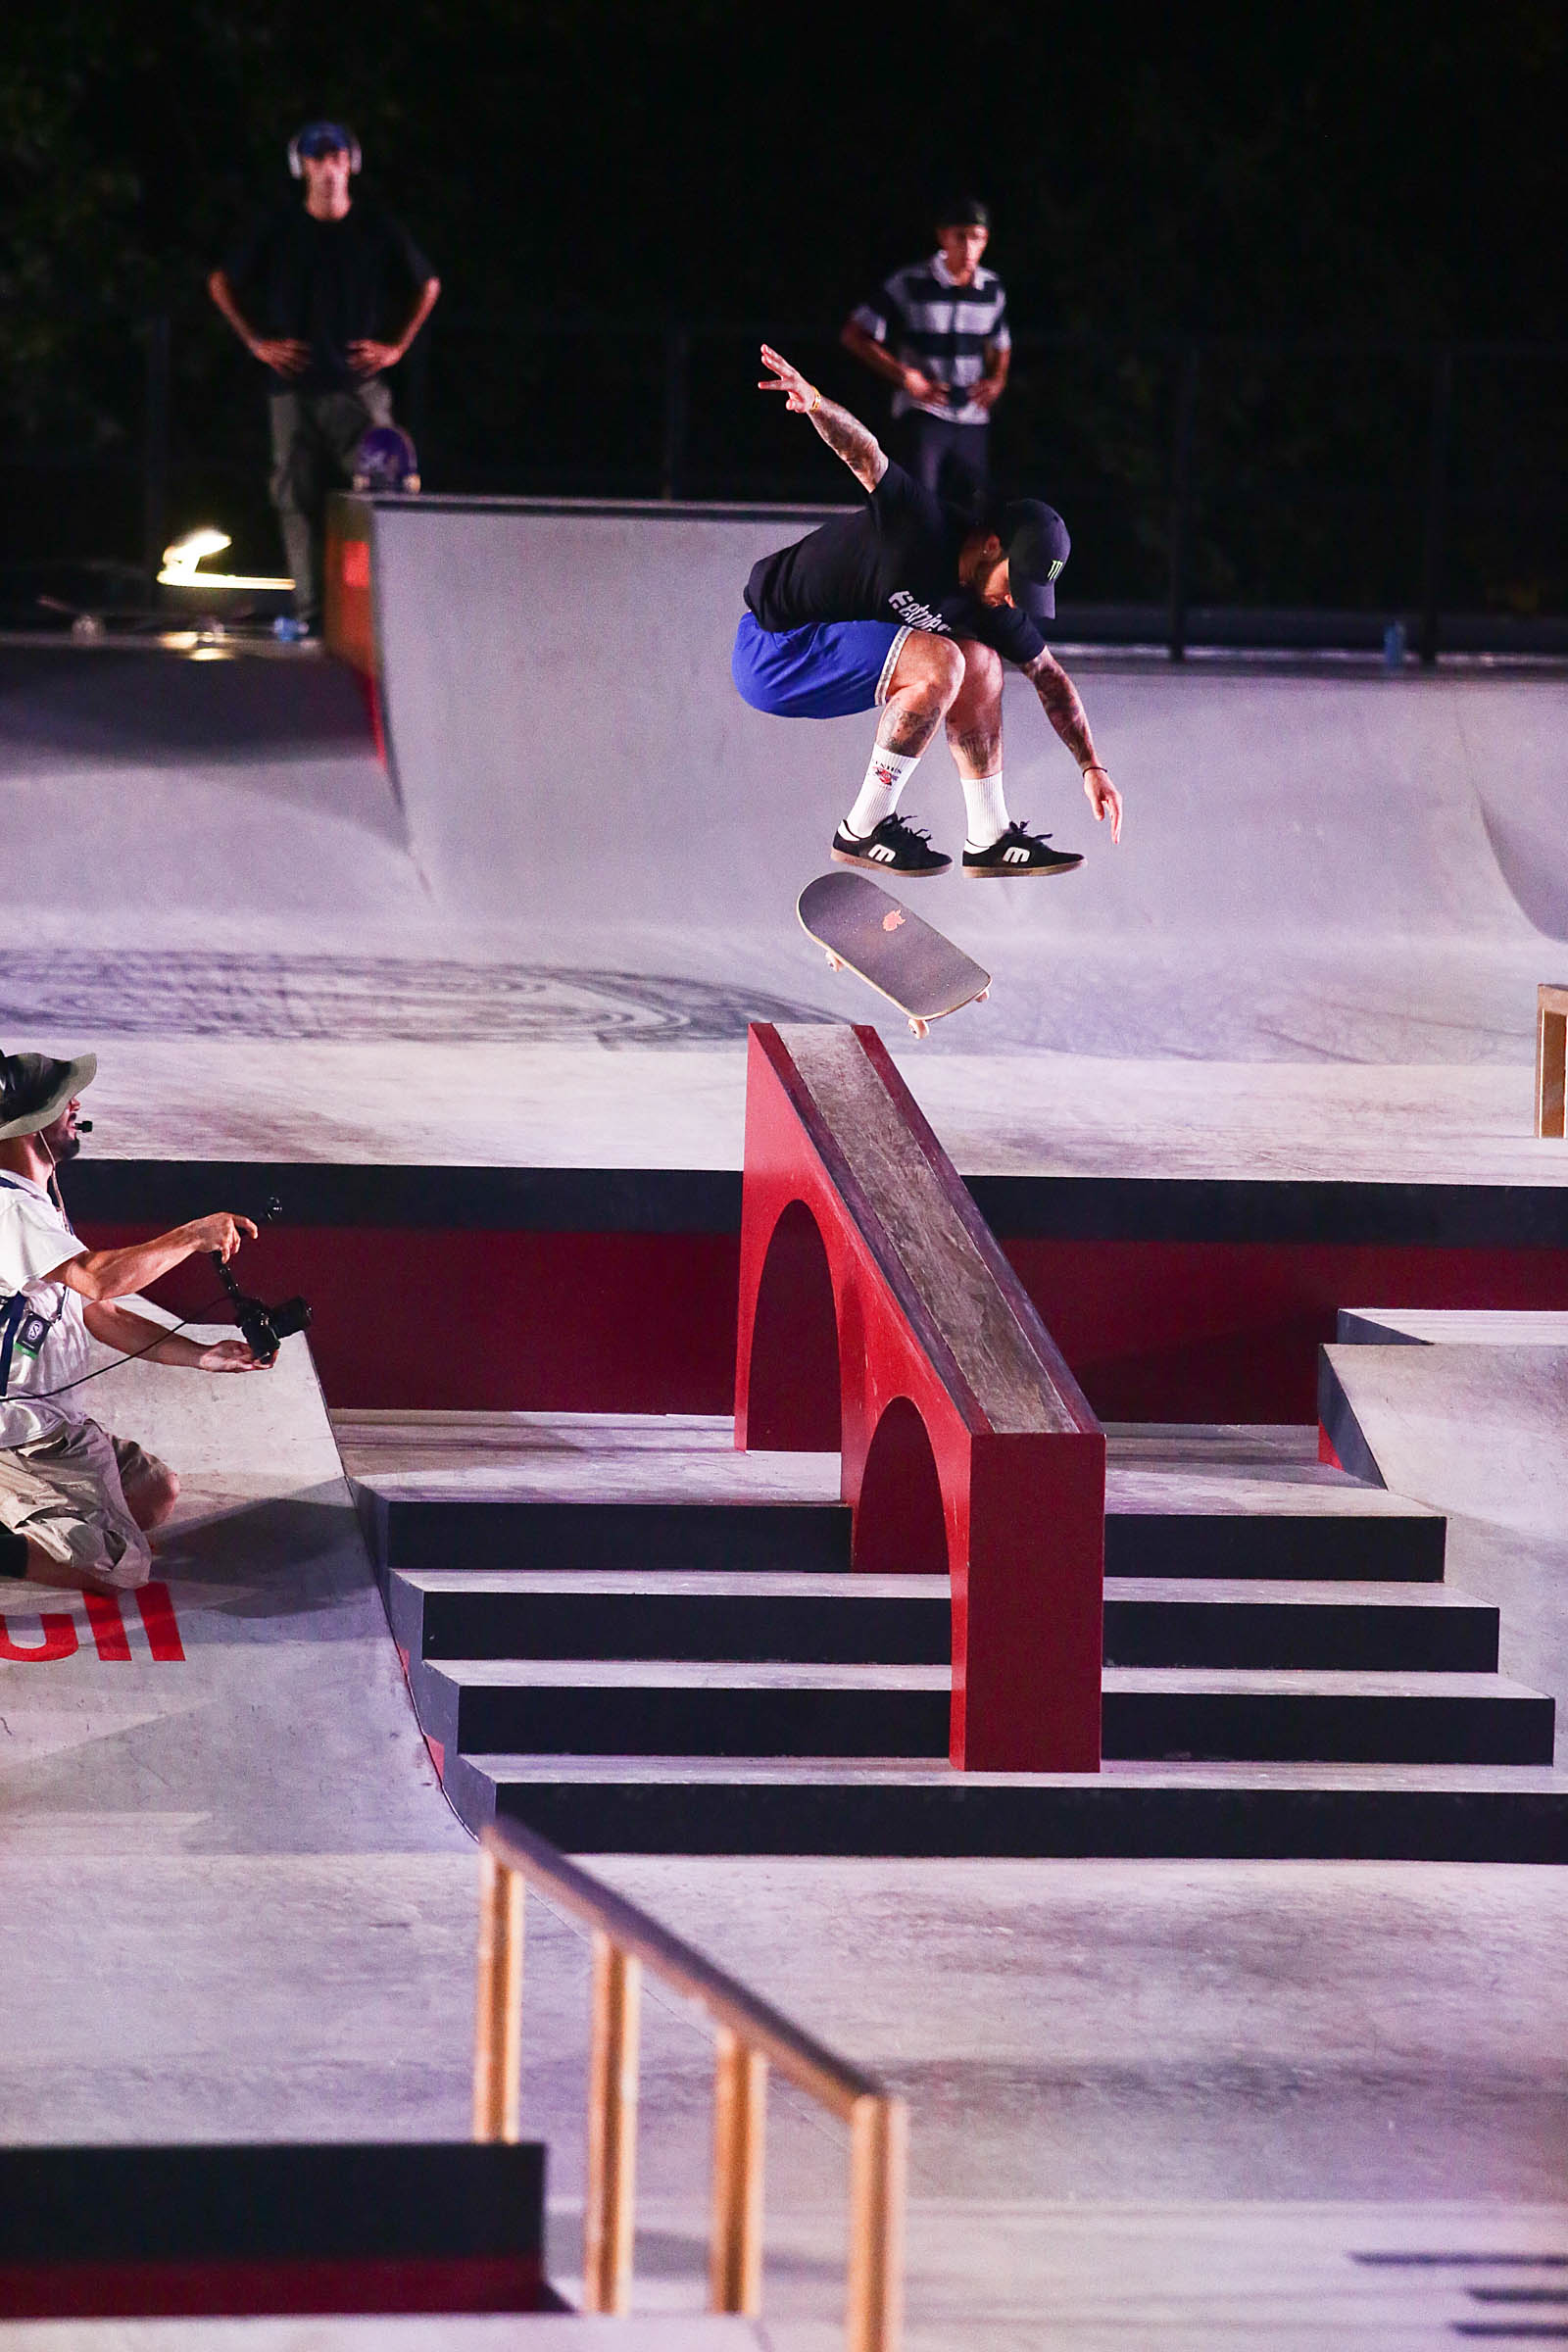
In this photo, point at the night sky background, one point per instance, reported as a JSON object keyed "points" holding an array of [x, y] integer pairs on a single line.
{"points": [[1376, 171]]}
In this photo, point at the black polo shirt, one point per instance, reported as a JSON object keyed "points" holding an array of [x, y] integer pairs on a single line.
{"points": [[896, 560], [327, 283]]}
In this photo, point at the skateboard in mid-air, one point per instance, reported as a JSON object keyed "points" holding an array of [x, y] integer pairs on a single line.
{"points": [[386, 459], [892, 949]]}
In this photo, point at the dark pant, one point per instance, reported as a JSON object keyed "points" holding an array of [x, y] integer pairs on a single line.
{"points": [[314, 435], [950, 459]]}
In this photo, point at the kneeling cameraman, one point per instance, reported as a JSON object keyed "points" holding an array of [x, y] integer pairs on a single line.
{"points": [[77, 1504]]}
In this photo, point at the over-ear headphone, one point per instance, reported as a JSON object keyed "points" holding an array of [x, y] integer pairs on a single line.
{"points": [[339, 135]]}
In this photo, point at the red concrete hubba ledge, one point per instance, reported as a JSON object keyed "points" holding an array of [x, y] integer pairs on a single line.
{"points": [[879, 1317]]}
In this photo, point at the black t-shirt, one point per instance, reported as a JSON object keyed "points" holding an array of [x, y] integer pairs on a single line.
{"points": [[896, 560], [327, 283]]}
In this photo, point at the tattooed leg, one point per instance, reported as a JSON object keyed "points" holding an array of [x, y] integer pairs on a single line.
{"points": [[927, 679], [974, 723], [926, 676]]}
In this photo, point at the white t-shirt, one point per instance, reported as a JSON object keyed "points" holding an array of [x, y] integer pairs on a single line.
{"points": [[44, 1340]]}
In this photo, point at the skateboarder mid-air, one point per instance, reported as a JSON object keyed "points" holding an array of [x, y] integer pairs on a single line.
{"points": [[912, 609]]}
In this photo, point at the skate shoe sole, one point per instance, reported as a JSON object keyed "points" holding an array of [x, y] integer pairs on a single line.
{"points": [[880, 866], [1021, 873]]}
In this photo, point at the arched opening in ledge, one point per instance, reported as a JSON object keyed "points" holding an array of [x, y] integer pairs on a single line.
{"points": [[901, 1528], [792, 1403]]}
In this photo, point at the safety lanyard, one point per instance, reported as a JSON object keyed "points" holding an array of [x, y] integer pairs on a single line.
{"points": [[19, 1306]]}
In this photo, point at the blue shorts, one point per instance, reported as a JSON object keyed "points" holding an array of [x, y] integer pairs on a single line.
{"points": [[825, 671]]}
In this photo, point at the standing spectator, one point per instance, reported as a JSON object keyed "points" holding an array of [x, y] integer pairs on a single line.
{"points": [[938, 332], [338, 290]]}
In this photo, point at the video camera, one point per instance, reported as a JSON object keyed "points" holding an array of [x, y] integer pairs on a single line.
{"points": [[265, 1328]]}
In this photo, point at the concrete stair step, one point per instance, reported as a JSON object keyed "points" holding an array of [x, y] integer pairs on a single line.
{"points": [[1380, 1540], [1401, 1544], [544, 1613], [678, 1706], [894, 1806]]}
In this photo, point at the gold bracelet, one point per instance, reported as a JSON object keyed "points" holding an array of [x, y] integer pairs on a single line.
{"points": [[814, 399]]}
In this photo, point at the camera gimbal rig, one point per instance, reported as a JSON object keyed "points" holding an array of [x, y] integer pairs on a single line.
{"points": [[266, 1327]]}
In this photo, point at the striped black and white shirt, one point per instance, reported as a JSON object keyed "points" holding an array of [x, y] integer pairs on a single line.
{"points": [[942, 328]]}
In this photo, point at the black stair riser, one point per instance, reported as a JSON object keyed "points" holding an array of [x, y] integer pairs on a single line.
{"points": [[785, 1537], [328, 2202], [959, 1817], [638, 1624], [1328, 1728], [1243, 1726], [801, 1539], [696, 1722], [911, 1631], [1358, 1550], [1301, 1636]]}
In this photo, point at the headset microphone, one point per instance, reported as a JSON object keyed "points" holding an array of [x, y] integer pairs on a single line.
{"points": [[84, 1126]]}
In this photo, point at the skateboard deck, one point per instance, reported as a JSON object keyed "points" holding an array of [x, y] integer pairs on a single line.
{"points": [[893, 951]]}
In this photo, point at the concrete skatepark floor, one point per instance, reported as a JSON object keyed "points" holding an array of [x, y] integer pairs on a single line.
{"points": [[1315, 952], [1155, 2103]]}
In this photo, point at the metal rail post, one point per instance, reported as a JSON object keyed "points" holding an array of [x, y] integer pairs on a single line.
{"points": [[1437, 524], [878, 2148], [752, 2038], [609, 2216], [497, 2006], [735, 2254], [1181, 500]]}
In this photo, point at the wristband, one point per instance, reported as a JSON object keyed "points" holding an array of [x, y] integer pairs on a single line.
{"points": [[814, 401]]}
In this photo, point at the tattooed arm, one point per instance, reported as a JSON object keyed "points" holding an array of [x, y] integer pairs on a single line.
{"points": [[846, 436], [1058, 699]]}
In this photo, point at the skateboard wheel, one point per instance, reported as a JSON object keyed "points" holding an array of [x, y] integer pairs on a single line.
{"points": [[920, 1028], [835, 964], [981, 997]]}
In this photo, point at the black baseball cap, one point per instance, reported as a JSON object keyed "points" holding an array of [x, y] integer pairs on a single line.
{"points": [[1038, 546], [963, 212]]}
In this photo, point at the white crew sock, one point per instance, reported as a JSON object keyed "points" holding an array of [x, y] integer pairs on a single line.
{"points": [[885, 779], [986, 805]]}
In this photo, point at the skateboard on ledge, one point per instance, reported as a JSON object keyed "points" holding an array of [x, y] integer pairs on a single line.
{"points": [[386, 459], [891, 949]]}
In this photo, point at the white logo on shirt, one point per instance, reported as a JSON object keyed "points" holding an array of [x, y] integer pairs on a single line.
{"points": [[915, 614]]}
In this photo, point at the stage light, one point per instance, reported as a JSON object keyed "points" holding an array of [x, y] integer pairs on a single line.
{"points": [[182, 563]]}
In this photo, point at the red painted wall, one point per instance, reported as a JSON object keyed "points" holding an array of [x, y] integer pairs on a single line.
{"points": [[601, 1322]]}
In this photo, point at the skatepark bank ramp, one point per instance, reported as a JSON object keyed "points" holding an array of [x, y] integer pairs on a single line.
{"points": [[568, 745]]}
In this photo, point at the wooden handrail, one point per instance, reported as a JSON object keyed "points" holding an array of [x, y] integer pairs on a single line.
{"points": [[751, 2037]]}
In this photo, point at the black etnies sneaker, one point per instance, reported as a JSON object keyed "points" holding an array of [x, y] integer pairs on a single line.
{"points": [[1019, 852], [893, 848]]}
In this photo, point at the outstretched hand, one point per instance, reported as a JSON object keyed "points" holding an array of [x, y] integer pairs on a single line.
{"points": [[799, 395], [1103, 799], [231, 1355]]}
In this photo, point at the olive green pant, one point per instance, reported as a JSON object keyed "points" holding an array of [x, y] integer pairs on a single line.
{"points": [[65, 1493], [314, 435]]}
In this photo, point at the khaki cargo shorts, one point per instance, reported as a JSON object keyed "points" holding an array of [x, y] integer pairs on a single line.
{"points": [[67, 1494]]}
